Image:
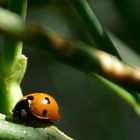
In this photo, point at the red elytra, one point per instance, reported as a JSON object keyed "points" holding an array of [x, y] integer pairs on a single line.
{"points": [[41, 105]]}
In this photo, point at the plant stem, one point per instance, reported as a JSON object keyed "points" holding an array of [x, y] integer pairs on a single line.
{"points": [[74, 53], [132, 99], [13, 64], [71, 52], [12, 50], [101, 39], [10, 130]]}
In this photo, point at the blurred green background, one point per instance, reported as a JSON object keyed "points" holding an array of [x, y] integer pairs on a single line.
{"points": [[89, 109]]}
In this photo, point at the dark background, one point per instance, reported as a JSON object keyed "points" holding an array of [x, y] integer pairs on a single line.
{"points": [[89, 109]]}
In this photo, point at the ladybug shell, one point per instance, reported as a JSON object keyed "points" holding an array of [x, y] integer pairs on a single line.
{"points": [[43, 106]]}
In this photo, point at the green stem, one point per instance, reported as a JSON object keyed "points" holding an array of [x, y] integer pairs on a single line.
{"points": [[132, 99], [12, 50], [71, 52], [13, 64], [13, 131], [101, 39], [10, 91], [19, 7]]}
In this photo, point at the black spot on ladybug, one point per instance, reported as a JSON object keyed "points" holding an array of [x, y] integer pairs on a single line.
{"points": [[30, 98], [46, 100], [44, 112]]}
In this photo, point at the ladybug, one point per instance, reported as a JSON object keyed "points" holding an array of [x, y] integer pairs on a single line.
{"points": [[39, 106]]}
